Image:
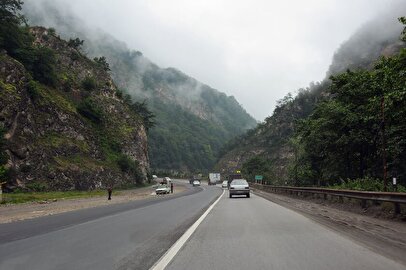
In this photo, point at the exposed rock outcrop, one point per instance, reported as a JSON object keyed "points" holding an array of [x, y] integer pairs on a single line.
{"points": [[52, 139]]}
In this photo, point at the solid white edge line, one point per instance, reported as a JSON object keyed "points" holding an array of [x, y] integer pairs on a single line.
{"points": [[173, 250]]}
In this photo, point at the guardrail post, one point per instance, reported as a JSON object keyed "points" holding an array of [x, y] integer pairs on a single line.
{"points": [[397, 208], [340, 199], [364, 203]]}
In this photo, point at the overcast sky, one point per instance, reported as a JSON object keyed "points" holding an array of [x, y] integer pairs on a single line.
{"points": [[256, 50]]}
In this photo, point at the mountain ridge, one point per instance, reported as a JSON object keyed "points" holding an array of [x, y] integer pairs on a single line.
{"points": [[271, 146], [219, 117]]}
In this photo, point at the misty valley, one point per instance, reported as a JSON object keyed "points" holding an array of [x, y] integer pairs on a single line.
{"points": [[202, 134]]}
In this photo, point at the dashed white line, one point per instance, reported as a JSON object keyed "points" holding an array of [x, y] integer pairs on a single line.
{"points": [[171, 253]]}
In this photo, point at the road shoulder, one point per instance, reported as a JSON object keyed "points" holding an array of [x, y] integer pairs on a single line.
{"points": [[17, 212], [385, 237]]}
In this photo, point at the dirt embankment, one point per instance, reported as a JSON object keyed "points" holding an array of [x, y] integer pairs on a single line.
{"points": [[15, 212]]}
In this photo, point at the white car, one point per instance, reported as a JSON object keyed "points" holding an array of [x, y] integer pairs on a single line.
{"points": [[239, 187], [162, 189], [196, 183], [224, 184]]}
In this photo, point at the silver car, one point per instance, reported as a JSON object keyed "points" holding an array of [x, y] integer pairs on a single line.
{"points": [[239, 187], [224, 184], [196, 183]]}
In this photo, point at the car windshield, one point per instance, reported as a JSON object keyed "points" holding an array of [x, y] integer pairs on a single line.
{"points": [[239, 182]]}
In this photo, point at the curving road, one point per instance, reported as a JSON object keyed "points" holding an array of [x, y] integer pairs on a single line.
{"points": [[126, 236]]}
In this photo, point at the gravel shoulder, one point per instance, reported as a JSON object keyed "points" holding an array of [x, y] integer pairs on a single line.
{"points": [[16, 212], [387, 237]]}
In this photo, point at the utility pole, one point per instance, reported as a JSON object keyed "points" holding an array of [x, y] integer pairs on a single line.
{"points": [[385, 180]]}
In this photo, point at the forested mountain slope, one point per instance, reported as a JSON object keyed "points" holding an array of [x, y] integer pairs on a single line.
{"points": [[193, 120], [331, 130], [63, 123]]}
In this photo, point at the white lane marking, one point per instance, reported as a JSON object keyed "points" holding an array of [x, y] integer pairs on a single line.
{"points": [[171, 253]]}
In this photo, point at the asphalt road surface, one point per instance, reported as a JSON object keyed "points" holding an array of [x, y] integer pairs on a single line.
{"points": [[125, 236], [238, 233], [254, 233]]}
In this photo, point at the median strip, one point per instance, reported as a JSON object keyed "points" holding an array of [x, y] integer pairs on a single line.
{"points": [[171, 253]]}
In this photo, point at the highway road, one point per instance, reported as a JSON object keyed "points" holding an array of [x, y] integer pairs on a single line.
{"points": [[237, 233], [125, 236], [254, 233]]}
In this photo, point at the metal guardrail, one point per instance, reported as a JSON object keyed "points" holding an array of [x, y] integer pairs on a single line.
{"points": [[393, 197]]}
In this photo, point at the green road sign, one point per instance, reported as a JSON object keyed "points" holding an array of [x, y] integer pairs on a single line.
{"points": [[258, 177]]}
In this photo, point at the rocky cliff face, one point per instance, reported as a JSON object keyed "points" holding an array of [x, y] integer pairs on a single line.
{"points": [[193, 120], [76, 134]]}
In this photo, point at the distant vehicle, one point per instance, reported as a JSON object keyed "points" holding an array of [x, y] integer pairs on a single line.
{"points": [[166, 181], [193, 178], [162, 189], [224, 184], [214, 178], [231, 177], [239, 187], [196, 183], [154, 177]]}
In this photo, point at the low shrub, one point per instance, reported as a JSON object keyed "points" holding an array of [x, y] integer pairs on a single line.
{"points": [[89, 83], [132, 167], [89, 109], [44, 67], [37, 187], [366, 184], [33, 90]]}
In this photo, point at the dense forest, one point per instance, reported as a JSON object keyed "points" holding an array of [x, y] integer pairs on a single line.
{"points": [[338, 132], [192, 120]]}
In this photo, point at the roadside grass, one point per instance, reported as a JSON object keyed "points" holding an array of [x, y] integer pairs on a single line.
{"points": [[367, 184], [24, 197], [45, 197]]}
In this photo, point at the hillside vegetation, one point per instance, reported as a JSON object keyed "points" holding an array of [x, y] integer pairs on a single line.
{"points": [[63, 123], [334, 131], [193, 120]]}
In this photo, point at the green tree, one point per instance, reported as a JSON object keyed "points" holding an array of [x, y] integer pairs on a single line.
{"points": [[403, 21], [257, 166], [44, 66], [102, 62], [13, 37], [148, 117], [343, 136], [89, 83], [75, 43]]}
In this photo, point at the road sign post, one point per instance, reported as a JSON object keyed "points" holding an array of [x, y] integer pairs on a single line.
{"points": [[258, 178]]}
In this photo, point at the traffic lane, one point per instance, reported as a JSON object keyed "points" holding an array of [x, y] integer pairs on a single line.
{"points": [[27, 228], [134, 239], [242, 233]]}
